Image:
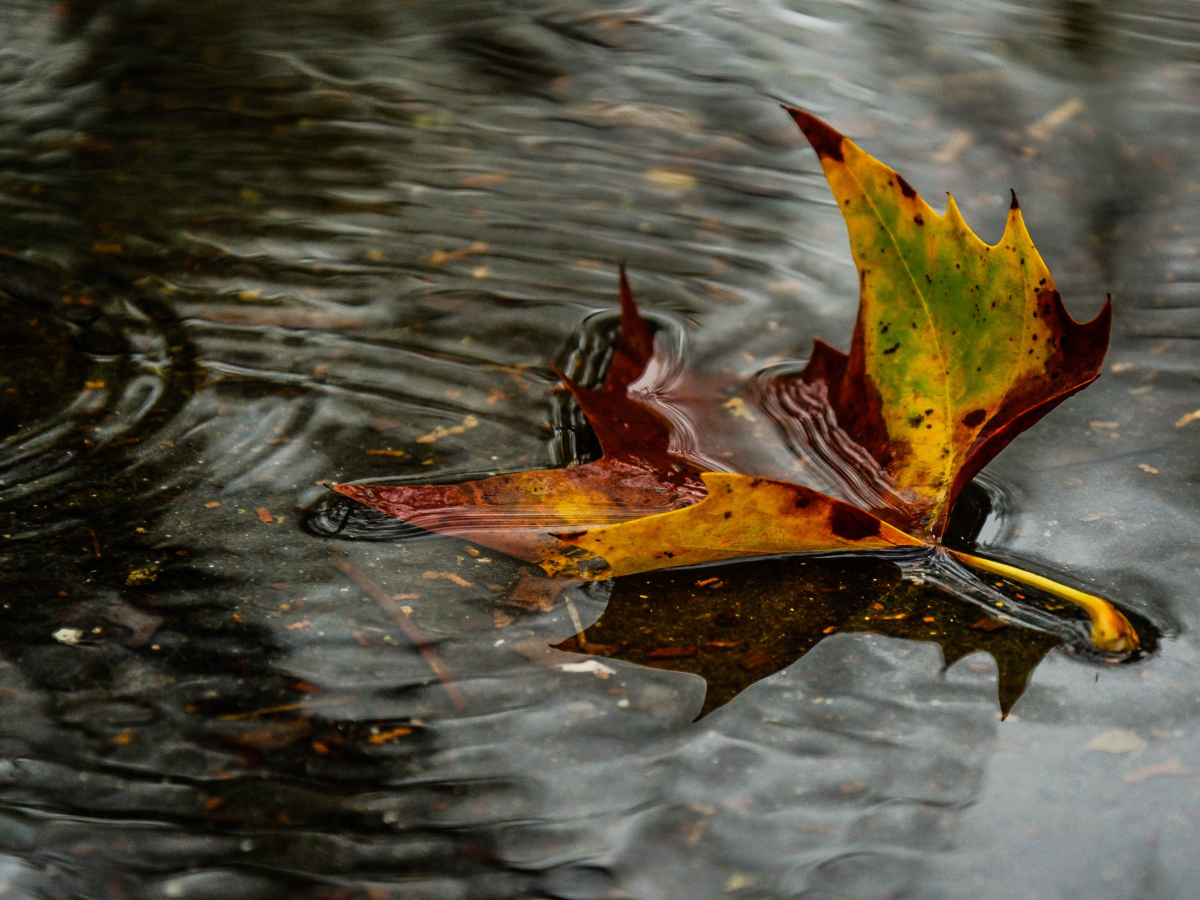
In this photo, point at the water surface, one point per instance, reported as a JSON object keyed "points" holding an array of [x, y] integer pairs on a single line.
{"points": [[247, 248]]}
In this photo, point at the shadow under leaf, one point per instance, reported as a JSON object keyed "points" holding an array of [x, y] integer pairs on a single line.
{"points": [[736, 623]]}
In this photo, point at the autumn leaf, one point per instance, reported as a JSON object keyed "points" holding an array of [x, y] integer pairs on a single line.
{"points": [[958, 348], [639, 475], [740, 516]]}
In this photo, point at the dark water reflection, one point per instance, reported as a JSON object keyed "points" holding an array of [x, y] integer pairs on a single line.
{"points": [[250, 247]]}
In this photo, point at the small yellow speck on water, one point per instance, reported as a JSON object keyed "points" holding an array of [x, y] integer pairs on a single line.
{"points": [[1050, 122], [388, 452], [483, 180], [830, 630], [250, 195], [1188, 419], [441, 431], [928, 619], [375, 255], [739, 880], [738, 409], [680, 181], [389, 735], [480, 272], [142, 576], [1146, 467], [440, 256], [212, 504], [249, 295], [94, 385]]}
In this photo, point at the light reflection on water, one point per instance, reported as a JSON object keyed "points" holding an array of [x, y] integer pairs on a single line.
{"points": [[285, 244]]}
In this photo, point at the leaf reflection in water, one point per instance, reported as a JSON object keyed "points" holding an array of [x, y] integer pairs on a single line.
{"points": [[737, 623]]}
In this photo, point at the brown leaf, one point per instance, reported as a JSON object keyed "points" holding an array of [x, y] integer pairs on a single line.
{"points": [[988, 624], [756, 660], [672, 652], [958, 348]]}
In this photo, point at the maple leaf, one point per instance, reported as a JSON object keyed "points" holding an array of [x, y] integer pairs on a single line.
{"points": [[958, 348]]}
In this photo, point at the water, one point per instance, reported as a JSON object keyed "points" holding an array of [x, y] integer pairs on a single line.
{"points": [[247, 248]]}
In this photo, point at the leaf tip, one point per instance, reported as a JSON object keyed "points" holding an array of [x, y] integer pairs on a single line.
{"points": [[824, 139], [1014, 204], [629, 310], [953, 215]]}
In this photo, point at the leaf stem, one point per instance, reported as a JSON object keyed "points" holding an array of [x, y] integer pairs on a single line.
{"points": [[1111, 631]]}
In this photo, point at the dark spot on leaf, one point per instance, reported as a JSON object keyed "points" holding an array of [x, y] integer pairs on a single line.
{"points": [[729, 515], [974, 418], [570, 535], [916, 420], [852, 524], [918, 220], [1014, 204], [891, 350], [905, 188]]}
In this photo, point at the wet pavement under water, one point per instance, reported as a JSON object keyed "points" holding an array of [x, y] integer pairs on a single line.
{"points": [[248, 248]]}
